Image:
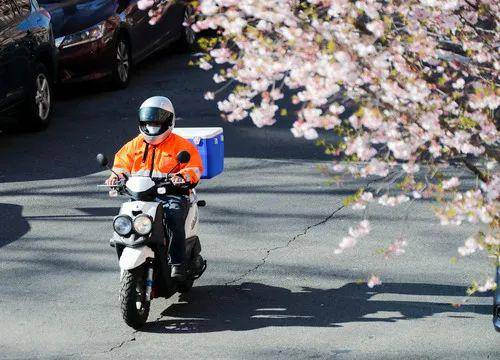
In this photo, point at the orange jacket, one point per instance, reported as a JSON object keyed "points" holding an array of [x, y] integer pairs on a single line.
{"points": [[139, 158]]}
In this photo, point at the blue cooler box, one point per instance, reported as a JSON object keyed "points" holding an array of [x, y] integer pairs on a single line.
{"points": [[210, 144]]}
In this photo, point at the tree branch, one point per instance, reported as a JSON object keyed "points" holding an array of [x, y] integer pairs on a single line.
{"points": [[482, 176]]}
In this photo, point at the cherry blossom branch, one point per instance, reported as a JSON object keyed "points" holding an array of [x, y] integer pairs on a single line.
{"points": [[482, 176]]}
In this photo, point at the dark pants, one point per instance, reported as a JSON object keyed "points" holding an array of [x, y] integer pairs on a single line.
{"points": [[176, 209]]}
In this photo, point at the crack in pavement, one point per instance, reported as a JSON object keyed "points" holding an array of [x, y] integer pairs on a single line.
{"points": [[288, 243], [122, 343]]}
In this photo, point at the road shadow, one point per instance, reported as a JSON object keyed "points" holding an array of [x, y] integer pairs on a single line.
{"points": [[252, 306], [12, 223]]}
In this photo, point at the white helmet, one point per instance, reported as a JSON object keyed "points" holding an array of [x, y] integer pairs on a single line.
{"points": [[156, 119]]}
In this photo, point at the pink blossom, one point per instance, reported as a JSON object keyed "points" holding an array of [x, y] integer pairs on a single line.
{"points": [[338, 167], [435, 149], [221, 55], [416, 195], [336, 109], [372, 119], [362, 229], [312, 115], [488, 285], [361, 147], [396, 248], [373, 281], [276, 94], [377, 27], [470, 247], [264, 115], [303, 129], [450, 183], [208, 7], [346, 243], [145, 4], [387, 200], [492, 188], [218, 78], [375, 167], [235, 26], [369, 7], [310, 134], [459, 84], [490, 165], [349, 241], [363, 201], [411, 168], [209, 95], [234, 103], [355, 121], [400, 149], [430, 122], [205, 65], [492, 240]]}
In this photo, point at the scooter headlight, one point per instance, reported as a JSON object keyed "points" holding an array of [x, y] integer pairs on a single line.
{"points": [[143, 225], [122, 225]]}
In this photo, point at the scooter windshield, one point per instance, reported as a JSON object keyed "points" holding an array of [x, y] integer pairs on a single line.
{"points": [[139, 184]]}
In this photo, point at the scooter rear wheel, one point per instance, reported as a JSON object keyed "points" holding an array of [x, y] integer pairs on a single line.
{"points": [[134, 307]]}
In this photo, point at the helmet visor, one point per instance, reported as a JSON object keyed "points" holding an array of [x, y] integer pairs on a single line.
{"points": [[155, 121]]}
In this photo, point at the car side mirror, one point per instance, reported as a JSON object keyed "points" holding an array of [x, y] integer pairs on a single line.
{"points": [[102, 160], [183, 157]]}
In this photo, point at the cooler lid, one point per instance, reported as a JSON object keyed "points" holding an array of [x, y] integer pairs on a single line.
{"points": [[201, 132]]}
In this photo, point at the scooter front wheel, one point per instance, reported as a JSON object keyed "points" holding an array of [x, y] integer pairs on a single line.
{"points": [[134, 307]]}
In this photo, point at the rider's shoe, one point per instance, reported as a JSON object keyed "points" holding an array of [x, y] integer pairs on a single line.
{"points": [[178, 272]]}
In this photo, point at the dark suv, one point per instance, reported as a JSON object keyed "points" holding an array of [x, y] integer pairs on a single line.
{"points": [[27, 63]]}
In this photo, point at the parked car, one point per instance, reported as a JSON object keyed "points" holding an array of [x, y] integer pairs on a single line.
{"points": [[27, 63], [104, 38]]}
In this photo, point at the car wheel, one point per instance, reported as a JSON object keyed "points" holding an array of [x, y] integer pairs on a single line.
{"points": [[40, 100], [120, 77], [187, 41]]}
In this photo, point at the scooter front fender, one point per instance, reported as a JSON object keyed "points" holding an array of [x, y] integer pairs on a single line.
{"points": [[135, 257]]}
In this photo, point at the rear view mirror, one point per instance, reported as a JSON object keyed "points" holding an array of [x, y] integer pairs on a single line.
{"points": [[183, 157], [102, 160]]}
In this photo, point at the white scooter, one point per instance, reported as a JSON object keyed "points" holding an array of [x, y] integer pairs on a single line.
{"points": [[141, 242]]}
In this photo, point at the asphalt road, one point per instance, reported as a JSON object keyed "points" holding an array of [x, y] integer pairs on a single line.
{"points": [[273, 288]]}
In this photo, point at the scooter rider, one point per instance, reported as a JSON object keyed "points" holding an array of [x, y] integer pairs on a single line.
{"points": [[153, 153]]}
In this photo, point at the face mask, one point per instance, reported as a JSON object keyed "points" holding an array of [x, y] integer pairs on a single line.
{"points": [[153, 129]]}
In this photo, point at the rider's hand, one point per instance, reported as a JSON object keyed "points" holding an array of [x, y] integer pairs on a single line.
{"points": [[178, 180], [113, 179]]}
